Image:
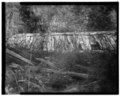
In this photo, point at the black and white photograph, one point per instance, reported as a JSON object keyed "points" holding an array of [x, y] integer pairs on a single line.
{"points": [[60, 48]]}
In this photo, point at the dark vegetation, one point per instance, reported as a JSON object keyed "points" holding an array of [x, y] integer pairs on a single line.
{"points": [[62, 18], [83, 72], [101, 69]]}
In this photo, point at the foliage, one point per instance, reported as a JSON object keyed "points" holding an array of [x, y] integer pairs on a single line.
{"points": [[12, 19], [33, 23], [99, 18], [62, 18]]}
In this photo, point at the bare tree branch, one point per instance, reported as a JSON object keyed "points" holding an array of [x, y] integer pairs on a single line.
{"points": [[67, 73]]}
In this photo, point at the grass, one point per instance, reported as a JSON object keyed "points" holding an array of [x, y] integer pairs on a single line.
{"points": [[101, 68]]}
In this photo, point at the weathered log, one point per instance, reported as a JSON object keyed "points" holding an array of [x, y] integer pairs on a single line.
{"points": [[83, 75], [18, 56], [52, 65]]}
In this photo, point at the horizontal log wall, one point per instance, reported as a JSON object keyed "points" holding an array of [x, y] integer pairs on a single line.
{"points": [[65, 42]]}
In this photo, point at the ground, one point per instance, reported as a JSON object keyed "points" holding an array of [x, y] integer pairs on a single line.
{"points": [[83, 72]]}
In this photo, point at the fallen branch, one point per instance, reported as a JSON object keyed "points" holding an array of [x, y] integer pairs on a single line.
{"points": [[94, 82], [18, 56], [82, 67], [52, 65], [67, 73]]}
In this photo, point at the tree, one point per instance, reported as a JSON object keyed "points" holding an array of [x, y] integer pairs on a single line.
{"points": [[99, 19], [33, 23], [12, 19]]}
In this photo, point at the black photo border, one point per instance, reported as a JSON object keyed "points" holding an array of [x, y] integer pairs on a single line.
{"points": [[54, 3]]}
